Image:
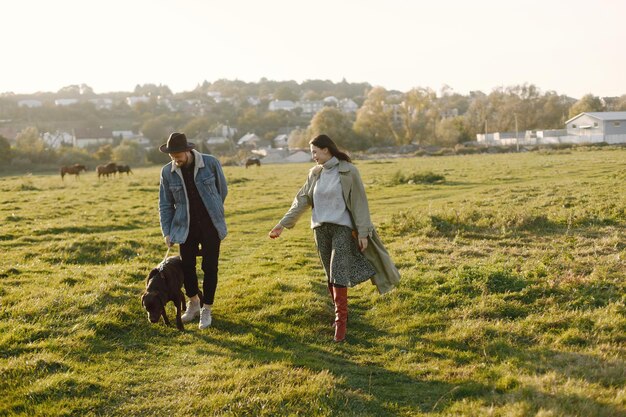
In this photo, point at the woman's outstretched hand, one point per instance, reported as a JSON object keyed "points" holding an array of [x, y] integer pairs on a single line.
{"points": [[276, 231]]}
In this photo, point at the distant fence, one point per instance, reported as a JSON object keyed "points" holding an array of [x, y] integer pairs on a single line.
{"points": [[496, 139]]}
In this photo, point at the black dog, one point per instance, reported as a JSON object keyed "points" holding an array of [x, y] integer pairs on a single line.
{"points": [[164, 284]]}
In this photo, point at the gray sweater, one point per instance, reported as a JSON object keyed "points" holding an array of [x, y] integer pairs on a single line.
{"points": [[328, 203]]}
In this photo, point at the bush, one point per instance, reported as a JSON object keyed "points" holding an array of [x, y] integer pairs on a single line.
{"points": [[155, 156], [417, 178], [71, 155]]}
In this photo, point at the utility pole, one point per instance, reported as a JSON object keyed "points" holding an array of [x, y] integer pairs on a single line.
{"points": [[516, 133]]}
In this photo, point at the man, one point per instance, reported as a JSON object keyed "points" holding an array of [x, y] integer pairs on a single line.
{"points": [[191, 209]]}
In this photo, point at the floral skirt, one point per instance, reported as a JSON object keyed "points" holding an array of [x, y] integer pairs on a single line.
{"points": [[343, 262]]}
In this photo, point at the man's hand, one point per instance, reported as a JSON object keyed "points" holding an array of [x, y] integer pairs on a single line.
{"points": [[168, 242]]}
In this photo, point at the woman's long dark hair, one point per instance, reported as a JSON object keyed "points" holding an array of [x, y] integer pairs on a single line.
{"points": [[323, 141]]}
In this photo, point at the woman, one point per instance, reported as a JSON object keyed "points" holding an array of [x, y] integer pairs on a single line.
{"points": [[347, 243]]}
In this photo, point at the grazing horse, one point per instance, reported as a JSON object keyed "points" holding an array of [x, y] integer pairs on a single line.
{"points": [[124, 168], [108, 169], [253, 161], [72, 169]]}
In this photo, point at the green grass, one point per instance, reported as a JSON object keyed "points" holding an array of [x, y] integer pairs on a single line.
{"points": [[512, 300]]}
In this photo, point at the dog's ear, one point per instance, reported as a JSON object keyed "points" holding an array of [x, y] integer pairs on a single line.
{"points": [[151, 275]]}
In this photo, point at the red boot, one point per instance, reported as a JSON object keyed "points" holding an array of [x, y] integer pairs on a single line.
{"points": [[332, 297], [340, 297]]}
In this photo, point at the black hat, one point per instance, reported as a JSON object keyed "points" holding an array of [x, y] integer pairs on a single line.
{"points": [[177, 142]]}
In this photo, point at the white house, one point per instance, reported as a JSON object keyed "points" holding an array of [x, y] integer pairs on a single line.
{"points": [[216, 96], [299, 156], [85, 137], [217, 140], [589, 127], [287, 105], [310, 107], [29, 103], [65, 101], [58, 138], [249, 139], [280, 141], [597, 123], [132, 100], [348, 106], [123, 134]]}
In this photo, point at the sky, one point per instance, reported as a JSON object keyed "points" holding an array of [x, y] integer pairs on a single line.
{"points": [[572, 47]]}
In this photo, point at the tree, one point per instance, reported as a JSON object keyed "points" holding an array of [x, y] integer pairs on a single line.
{"points": [[338, 126], [372, 121], [620, 104], [157, 129], [129, 151], [30, 146], [153, 90], [418, 117], [104, 152], [588, 103], [29, 140], [451, 131], [285, 93], [197, 126], [5, 149], [298, 139]]}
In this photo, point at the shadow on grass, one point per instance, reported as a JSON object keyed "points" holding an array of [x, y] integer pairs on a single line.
{"points": [[379, 390], [91, 229]]}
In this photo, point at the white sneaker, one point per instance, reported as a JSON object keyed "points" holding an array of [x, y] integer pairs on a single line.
{"points": [[193, 310], [205, 318]]}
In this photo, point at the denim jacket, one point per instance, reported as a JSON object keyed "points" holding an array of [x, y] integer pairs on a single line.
{"points": [[173, 201]]}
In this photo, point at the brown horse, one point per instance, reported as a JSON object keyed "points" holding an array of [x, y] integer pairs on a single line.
{"points": [[124, 168], [73, 170], [253, 161], [108, 169]]}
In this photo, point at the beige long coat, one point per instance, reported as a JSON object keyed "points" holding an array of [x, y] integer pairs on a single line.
{"points": [[387, 276]]}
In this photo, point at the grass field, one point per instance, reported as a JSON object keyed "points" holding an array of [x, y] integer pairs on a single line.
{"points": [[512, 300]]}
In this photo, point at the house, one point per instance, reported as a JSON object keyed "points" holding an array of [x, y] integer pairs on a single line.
{"points": [[216, 140], [216, 96], [280, 141], [348, 106], [273, 156], [299, 156], [132, 100], [253, 101], [249, 139], [589, 127], [597, 123], [593, 127], [310, 107], [65, 101], [123, 134], [84, 137], [29, 103], [287, 105], [57, 139], [281, 156]]}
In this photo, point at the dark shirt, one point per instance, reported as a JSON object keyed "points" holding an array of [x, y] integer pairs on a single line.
{"points": [[197, 211]]}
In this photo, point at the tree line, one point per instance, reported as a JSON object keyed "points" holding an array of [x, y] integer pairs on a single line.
{"points": [[420, 116]]}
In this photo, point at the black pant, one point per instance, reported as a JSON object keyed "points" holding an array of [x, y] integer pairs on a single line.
{"points": [[205, 236]]}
